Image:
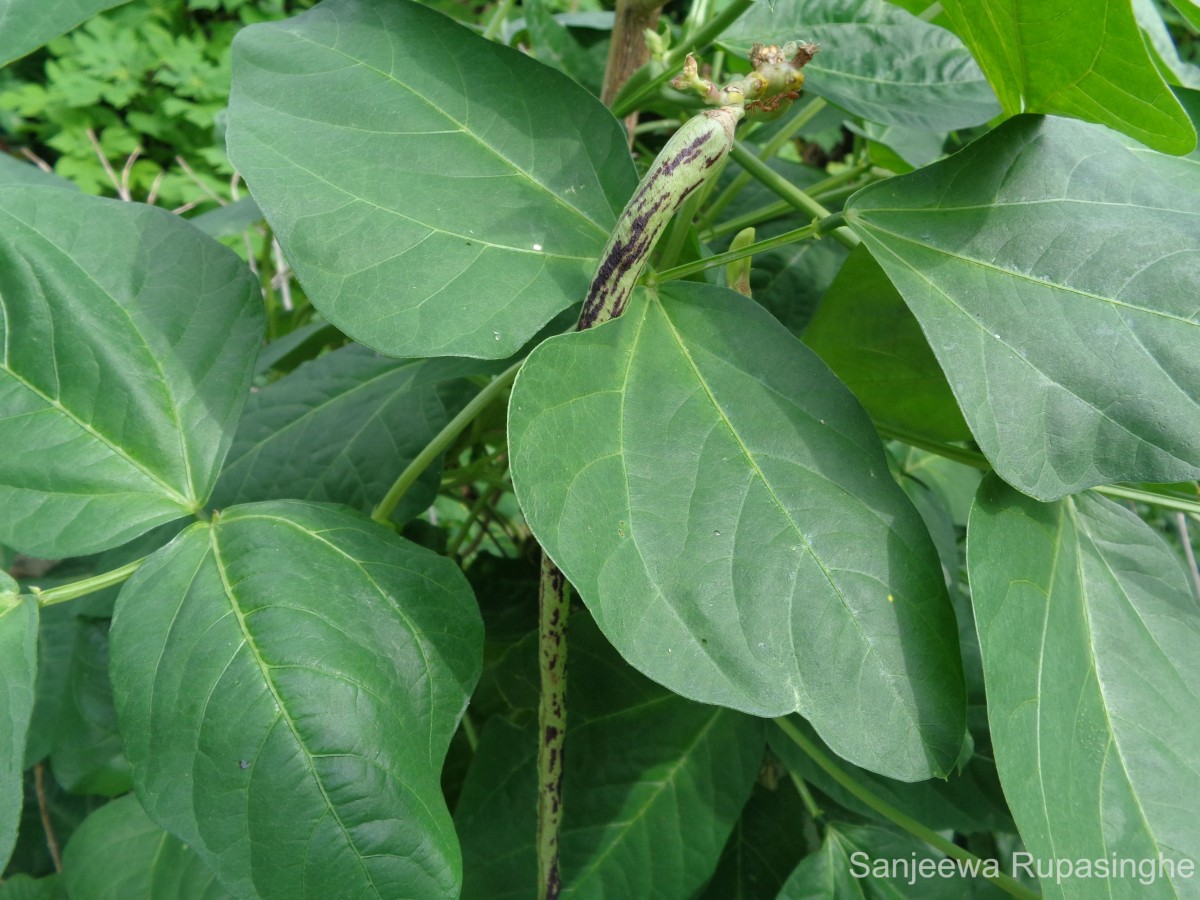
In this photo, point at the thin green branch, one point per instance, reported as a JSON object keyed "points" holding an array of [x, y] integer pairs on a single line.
{"points": [[773, 146], [780, 207], [1163, 497], [85, 586], [623, 106], [496, 23], [806, 796], [775, 182], [1005, 882], [815, 230], [444, 439]]}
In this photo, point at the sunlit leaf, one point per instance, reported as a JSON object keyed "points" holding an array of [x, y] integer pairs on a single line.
{"points": [[1084, 59]]}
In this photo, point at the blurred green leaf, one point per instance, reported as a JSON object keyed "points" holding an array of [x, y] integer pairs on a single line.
{"points": [[119, 854], [18, 669]]}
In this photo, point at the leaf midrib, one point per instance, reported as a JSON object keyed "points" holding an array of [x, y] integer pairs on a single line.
{"points": [[188, 503], [753, 462], [459, 125]]}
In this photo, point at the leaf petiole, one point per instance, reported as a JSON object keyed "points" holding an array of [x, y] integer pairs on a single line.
{"points": [[85, 586], [813, 230], [481, 401], [1005, 882]]}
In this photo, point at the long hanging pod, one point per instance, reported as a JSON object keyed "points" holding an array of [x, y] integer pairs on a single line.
{"points": [[682, 166]]}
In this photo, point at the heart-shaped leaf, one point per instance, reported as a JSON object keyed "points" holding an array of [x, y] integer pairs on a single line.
{"points": [[1091, 654], [1054, 268], [878, 61], [287, 680], [129, 339], [725, 509], [1084, 59], [438, 194]]}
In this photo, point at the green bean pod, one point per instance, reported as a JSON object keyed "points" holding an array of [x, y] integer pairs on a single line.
{"points": [[685, 163]]}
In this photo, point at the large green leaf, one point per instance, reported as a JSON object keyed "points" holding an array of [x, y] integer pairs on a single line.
{"points": [[18, 669], [652, 788], [877, 61], [1091, 652], [287, 681], [339, 429], [724, 507], [128, 342], [1084, 59], [119, 854], [436, 193], [869, 338], [1054, 267], [26, 25]]}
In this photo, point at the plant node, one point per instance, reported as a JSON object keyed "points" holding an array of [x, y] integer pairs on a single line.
{"points": [[768, 90]]}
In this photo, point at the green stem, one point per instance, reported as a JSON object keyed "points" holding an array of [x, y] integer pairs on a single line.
{"points": [[444, 439], [623, 106], [775, 182], [773, 146], [815, 230], [1154, 498], [554, 606], [85, 586], [1167, 499], [806, 796], [912, 826], [459, 536], [963, 455], [780, 207], [497, 20]]}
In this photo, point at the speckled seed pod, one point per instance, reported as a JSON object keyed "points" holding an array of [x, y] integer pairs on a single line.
{"points": [[684, 164]]}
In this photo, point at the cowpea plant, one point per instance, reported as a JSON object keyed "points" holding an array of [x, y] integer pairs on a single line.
{"points": [[880, 550]]}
